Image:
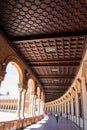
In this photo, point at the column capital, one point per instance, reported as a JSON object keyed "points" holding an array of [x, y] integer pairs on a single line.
{"points": [[20, 85], [24, 90], [20, 89], [32, 93]]}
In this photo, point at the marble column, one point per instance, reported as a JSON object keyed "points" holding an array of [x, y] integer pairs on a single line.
{"points": [[23, 103], [38, 106], [32, 105], [77, 109], [41, 107], [19, 102], [34, 108]]}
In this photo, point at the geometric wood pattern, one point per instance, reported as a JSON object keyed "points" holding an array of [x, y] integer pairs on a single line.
{"points": [[50, 35], [56, 68], [33, 17]]}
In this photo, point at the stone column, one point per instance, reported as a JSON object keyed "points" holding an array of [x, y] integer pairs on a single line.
{"points": [[77, 109], [41, 107], [51, 107], [71, 107], [35, 105], [62, 108], [23, 103], [19, 102], [68, 109], [38, 106], [45, 107], [65, 108], [32, 104], [55, 108]]}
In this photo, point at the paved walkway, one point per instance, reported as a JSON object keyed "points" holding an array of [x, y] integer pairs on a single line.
{"points": [[49, 123]]}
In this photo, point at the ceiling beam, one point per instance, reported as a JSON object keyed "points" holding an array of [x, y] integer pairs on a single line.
{"points": [[54, 92], [55, 60], [53, 89], [49, 36], [55, 76], [51, 99], [60, 63], [67, 64], [56, 84], [52, 95]]}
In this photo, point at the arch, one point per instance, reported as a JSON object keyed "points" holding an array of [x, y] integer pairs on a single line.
{"points": [[31, 85], [78, 85], [11, 80], [17, 63], [73, 91]]}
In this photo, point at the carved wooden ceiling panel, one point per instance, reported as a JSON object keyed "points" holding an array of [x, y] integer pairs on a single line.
{"points": [[33, 17], [50, 35], [54, 61]]}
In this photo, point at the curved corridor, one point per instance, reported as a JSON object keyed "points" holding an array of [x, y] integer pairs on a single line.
{"points": [[43, 64], [49, 123]]}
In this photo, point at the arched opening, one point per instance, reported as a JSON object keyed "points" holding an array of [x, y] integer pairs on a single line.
{"points": [[9, 87]]}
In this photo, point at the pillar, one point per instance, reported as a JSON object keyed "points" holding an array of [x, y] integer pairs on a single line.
{"points": [[72, 107], [33, 102], [77, 109], [38, 106], [42, 107], [19, 102], [23, 103], [33, 105]]}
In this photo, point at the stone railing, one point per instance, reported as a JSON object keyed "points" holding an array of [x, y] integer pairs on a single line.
{"points": [[19, 124]]}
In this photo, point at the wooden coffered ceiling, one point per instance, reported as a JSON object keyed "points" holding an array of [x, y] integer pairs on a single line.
{"points": [[50, 35]]}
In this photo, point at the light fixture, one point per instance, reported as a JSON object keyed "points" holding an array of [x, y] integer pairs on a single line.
{"points": [[55, 70], [56, 80], [50, 49]]}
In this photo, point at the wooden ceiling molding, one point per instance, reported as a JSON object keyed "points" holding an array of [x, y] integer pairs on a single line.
{"points": [[51, 37]]}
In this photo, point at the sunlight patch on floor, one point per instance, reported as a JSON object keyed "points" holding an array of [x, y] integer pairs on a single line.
{"points": [[38, 124]]}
